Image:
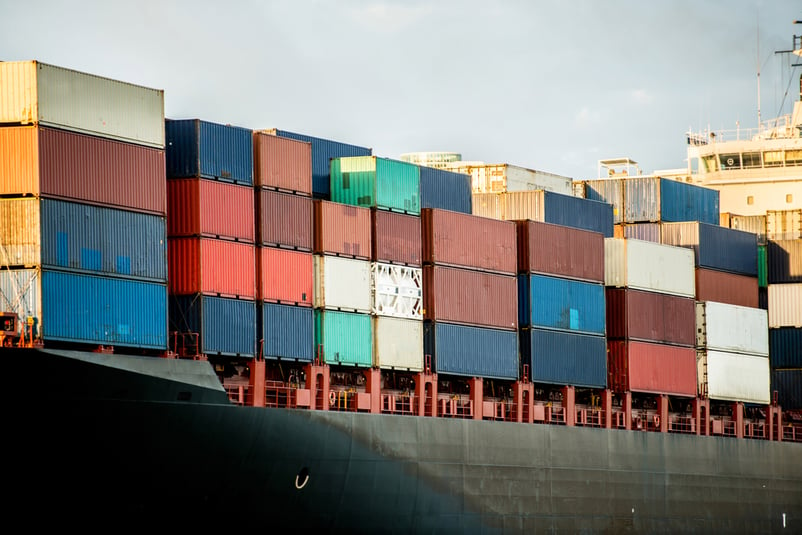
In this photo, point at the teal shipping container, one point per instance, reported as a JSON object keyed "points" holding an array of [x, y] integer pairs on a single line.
{"points": [[376, 182], [344, 338]]}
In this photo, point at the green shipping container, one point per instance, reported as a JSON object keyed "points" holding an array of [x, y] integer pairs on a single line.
{"points": [[376, 182], [762, 267], [344, 338]]}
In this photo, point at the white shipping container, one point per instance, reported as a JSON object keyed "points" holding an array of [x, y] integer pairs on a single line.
{"points": [[37, 93], [733, 377], [732, 328], [397, 343], [498, 178], [397, 291], [342, 284], [785, 305], [649, 266]]}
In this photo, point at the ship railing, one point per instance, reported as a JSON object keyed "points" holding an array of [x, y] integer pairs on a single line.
{"points": [[589, 417], [454, 406], [755, 430], [792, 432], [280, 394], [399, 403], [237, 393], [344, 400], [682, 424]]}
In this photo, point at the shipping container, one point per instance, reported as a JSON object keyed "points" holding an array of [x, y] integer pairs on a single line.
{"points": [[762, 267], [288, 332], [610, 191], [341, 229], [651, 317], [198, 207], [202, 149], [555, 303], [548, 207], [211, 267], [756, 224], [784, 305], [788, 385], [84, 309], [218, 326], [396, 238], [444, 189], [32, 92], [638, 231], [47, 162], [731, 328], [284, 220], [342, 284], [644, 265], [467, 297], [284, 276], [784, 224], [323, 151], [785, 347], [733, 376], [561, 251], [784, 261], [462, 240], [371, 181], [564, 358], [715, 247], [81, 237], [498, 178], [281, 163], [651, 368], [397, 343], [471, 351], [763, 299], [343, 338], [723, 287], [396, 291]]}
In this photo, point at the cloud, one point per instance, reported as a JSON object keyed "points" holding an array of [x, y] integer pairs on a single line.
{"points": [[641, 96], [389, 16], [586, 118]]}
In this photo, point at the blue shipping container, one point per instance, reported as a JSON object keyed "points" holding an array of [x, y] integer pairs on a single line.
{"points": [[196, 148], [288, 332], [323, 150], [576, 212], [471, 351], [788, 385], [563, 358], [555, 303], [226, 326], [715, 247], [680, 201], [785, 347], [445, 190]]}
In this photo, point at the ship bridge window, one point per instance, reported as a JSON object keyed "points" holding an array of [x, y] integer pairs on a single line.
{"points": [[751, 160], [793, 157], [773, 158], [709, 164], [730, 161]]}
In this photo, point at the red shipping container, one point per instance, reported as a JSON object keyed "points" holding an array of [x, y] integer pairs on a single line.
{"points": [[281, 163], [468, 297], [212, 267], [464, 240], [562, 251], [284, 276], [342, 229], [652, 368], [730, 288], [396, 238], [198, 207], [650, 316], [284, 220], [55, 163]]}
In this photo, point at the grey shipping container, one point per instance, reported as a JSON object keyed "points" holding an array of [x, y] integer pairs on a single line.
{"points": [[715, 247], [224, 326], [471, 351], [287, 332]]}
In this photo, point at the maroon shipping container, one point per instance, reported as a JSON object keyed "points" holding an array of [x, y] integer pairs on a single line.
{"points": [[653, 368], [396, 238], [198, 207], [284, 220], [562, 251], [284, 276], [470, 241], [723, 287], [638, 231], [468, 297], [211, 267], [342, 229], [281, 163], [650, 316]]}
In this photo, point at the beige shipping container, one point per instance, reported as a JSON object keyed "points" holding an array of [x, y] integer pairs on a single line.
{"points": [[342, 284], [20, 233], [733, 377], [645, 265], [784, 224], [785, 305], [397, 343], [503, 177], [37, 93]]}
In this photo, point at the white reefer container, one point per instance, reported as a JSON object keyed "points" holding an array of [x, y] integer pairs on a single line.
{"points": [[733, 376], [645, 265], [397, 343], [37, 93], [732, 328], [397, 291], [503, 177], [785, 305], [342, 284]]}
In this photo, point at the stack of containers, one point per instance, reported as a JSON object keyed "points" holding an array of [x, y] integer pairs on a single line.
{"points": [[470, 294], [284, 241], [561, 304], [211, 235], [82, 228], [650, 317], [756, 224]]}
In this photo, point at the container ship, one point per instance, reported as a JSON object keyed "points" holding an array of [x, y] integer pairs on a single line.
{"points": [[205, 324]]}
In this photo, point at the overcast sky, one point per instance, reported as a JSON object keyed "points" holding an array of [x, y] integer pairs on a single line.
{"points": [[553, 86]]}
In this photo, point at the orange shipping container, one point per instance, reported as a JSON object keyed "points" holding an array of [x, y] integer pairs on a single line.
{"points": [[198, 207], [282, 163], [284, 276], [284, 220], [652, 368], [211, 267], [342, 229]]}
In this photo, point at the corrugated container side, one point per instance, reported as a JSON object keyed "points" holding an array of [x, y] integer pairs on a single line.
{"points": [[638, 231], [732, 328], [343, 338], [610, 191], [282, 163], [784, 305], [563, 358], [562, 304], [650, 316], [715, 247], [284, 220], [371, 181], [471, 351], [784, 261], [642, 199], [785, 347], [225, 326], [733, 377], [284, 276], [397, 343], [197, 148], [396, 238], [652, 368], [342, 284], [763, 299], [784, 224], [561, 251], [643, 265], [212, 267], [288, 332], [756, 224], [723, 287], [444, 189], [199, 207], [20, 232], [788, 385], [341, 229], [680, 201]]}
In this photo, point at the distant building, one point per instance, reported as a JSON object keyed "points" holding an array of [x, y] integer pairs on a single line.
{"points": [[438, 160]]}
